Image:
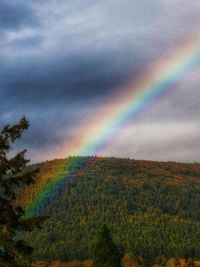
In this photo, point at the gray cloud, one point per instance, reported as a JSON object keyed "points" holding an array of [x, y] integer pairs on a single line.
{"points": [[167, 141], [16, 14], [28, 42], [62, 60], [58, 81]]}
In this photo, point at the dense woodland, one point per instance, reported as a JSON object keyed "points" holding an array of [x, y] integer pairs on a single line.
{"points": [[151, 208]]}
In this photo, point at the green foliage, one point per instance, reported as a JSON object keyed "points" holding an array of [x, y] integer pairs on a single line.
{"points": [[152, 209], [13, 249], [106, 253]]}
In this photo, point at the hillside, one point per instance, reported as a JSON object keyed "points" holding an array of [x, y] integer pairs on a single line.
{"points": [[152, 208]]}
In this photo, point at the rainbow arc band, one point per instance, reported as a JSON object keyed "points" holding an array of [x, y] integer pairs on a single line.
{"points": [[159, 81]]}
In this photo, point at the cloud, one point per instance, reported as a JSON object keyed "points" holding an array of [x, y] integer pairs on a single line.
{"points": [[169, 141], [62, 60], [15, 15], [59, 80]]}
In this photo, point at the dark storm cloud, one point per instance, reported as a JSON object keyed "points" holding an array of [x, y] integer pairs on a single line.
{"points": [[16, 14], [59, 92], [58, 81], [29, 42], [61, 60]]}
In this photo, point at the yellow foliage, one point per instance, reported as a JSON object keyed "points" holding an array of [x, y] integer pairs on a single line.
{"points": [[172, 262], [130, 261], [39, 264], [181, 263], [75, 263]]}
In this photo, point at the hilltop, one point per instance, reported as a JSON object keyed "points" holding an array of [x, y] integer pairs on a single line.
{"points": [[152, 208]]}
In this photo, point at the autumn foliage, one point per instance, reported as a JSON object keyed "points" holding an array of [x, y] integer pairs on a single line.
{"points": [[151, 208]]}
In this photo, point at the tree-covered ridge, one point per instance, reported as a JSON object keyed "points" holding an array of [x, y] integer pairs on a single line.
{"points": [[152, 209]]}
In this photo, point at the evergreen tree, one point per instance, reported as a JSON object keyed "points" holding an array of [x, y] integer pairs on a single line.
{"points": [[13, 175], [106, 253]]}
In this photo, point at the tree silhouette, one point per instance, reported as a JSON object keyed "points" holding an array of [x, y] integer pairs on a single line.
{"points": [[106, 253], [13, 175]]}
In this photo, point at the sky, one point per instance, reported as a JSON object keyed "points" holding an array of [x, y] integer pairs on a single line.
{"points": [[62, 61]]}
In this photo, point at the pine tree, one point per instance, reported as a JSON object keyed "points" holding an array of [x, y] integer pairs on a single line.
{"points": [[13, 175], [106, 253]]}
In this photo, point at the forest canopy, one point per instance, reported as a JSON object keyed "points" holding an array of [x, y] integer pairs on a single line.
{"points": [[151, 208]]}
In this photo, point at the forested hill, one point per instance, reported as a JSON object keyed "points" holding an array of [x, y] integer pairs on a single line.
{"points": [[151, 208]]}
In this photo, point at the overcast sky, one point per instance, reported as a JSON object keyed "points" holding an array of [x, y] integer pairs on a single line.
{"points": [[60, 60]]}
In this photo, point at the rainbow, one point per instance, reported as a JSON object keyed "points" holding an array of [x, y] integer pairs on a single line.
{"points": [[157, 82], [50, 184]]}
